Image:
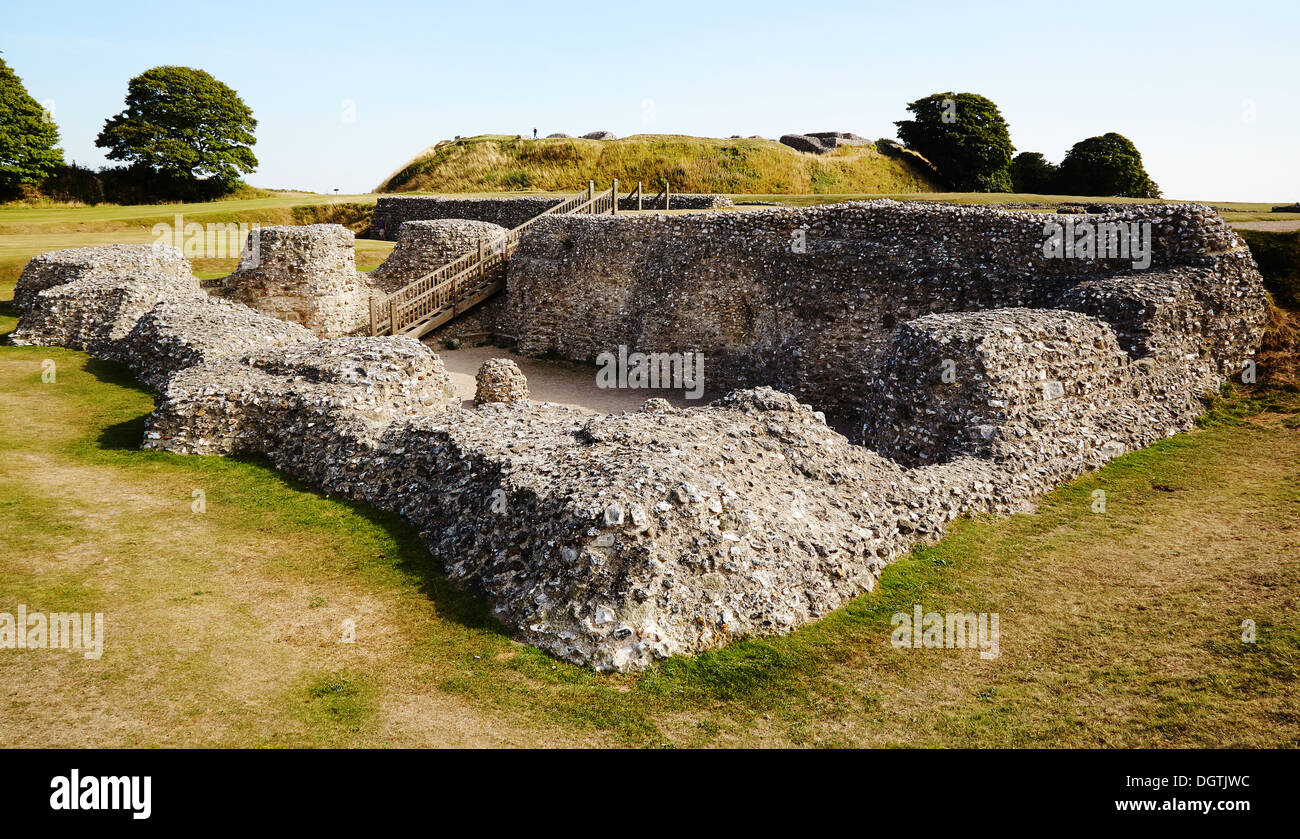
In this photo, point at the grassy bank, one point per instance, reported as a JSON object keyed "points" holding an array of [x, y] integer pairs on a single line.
{"points": [[690, 164]]}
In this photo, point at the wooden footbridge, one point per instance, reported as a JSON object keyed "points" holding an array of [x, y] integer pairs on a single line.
{"points": [[441, 295]]}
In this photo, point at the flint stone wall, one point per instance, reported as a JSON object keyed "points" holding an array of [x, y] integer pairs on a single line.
{"points": [[822, 142], [423, 246], [108, 261], [811, 301], [621, 540], [1042, 389], [96, 311], [302, 274], [509, 212]]}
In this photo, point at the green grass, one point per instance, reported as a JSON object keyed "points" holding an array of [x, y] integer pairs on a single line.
{"points": [[494, 163], [26, 231], [223, 628]]}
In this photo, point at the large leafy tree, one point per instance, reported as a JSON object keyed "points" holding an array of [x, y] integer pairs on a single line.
{"points": [[1106, 165], [29, 151], [184, 124], [965, 137], [1033, 173]]}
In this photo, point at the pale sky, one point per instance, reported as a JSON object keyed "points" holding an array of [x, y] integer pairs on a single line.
{"points": [[347, 92]]}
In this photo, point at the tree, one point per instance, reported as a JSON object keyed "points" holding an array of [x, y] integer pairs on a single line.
{"points": [[29, 151], [1033, 173], [184, 125], [964, 136], [1106, 165]]}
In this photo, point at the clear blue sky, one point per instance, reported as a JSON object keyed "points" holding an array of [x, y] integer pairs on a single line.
{"points": [[1207, 91]]}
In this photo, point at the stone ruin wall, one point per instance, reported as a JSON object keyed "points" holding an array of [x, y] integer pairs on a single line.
{"points": [[626, 539], [301, 274], [308, 275], [425, 245], [817, 302]]}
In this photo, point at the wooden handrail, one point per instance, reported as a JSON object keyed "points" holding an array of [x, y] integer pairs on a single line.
{"points": [[663, 194], [442, 287]]}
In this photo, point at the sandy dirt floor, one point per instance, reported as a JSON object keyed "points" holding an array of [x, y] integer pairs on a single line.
{"points": [[562, 382]]}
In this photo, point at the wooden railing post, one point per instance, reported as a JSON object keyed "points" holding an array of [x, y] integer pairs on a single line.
{"points": [[667, 195], [414, 305], [638, 195]]}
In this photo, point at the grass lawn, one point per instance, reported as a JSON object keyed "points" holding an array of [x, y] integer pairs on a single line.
{"points": [[223, 627], [28, 230]]}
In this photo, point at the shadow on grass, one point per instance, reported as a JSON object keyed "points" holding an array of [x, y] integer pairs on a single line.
{"points": [[7, 310], [413, 558]]}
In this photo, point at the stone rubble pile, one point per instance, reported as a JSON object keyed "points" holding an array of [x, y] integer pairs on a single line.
{"points": [[500, 380]]}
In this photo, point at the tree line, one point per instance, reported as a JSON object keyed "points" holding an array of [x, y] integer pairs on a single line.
{"points": [[966, 140], [183, 136]]}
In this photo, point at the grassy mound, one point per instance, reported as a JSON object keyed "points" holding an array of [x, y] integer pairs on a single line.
{"points": [[494, 163]]}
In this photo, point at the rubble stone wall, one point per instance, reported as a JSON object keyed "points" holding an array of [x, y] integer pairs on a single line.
{"points": [[1042, 389], [303, 274], [810, 301], [59, 267], [423, 246]]}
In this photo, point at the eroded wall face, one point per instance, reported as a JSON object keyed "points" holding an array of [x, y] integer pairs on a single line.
{"points": [[301, 274], [811, 301]]}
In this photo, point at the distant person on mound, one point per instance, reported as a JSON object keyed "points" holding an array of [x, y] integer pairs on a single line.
{"points": [[534, 133]]}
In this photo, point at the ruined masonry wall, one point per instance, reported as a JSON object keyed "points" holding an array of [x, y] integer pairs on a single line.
{"points": [[811, 301], [301, 274], [425, 245]]}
